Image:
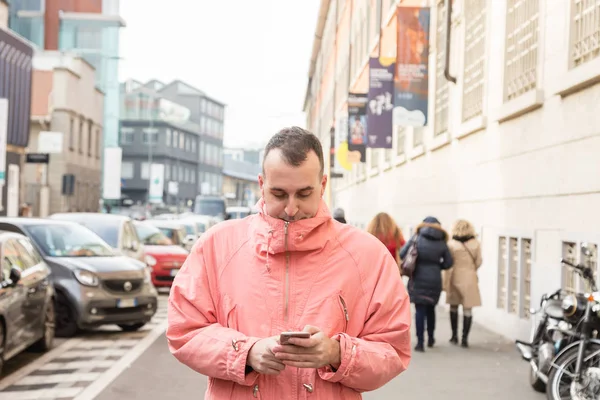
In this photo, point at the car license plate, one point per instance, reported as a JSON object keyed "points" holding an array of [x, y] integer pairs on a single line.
{"points": [[174, 271], [126, 303]]}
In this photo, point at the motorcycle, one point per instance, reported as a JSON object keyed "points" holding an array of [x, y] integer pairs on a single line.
{"points": [[547, 338], [575, 370]]}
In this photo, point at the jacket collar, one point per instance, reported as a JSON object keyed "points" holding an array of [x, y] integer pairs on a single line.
{"points": [[305, 235]]}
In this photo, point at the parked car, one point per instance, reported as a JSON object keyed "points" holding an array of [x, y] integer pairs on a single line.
{"points": [[166, 258], [213, 206], [116, 230], [203, 222], [26, 298], [94, 285], [172, 229]]}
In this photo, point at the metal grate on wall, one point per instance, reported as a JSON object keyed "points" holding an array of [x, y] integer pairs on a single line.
{"points": [[585, 31], [514, 275], [522, 29], [574, 253], [474, 68], [441, 84]]}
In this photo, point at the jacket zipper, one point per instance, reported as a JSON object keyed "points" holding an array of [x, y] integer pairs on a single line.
{"points": [[255, 392], [345, 311], [287, 271]]}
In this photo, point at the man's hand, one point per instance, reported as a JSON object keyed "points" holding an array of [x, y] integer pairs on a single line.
{"points": [[314, 352], [262, 359]]}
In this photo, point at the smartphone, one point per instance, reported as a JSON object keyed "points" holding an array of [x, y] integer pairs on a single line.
{"points": [[285, 336]]}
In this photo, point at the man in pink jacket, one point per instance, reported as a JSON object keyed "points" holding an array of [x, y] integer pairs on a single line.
{"points": [[290, 267]]}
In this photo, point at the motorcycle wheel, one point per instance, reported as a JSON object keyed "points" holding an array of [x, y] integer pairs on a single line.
{"points": [[559, 382], [536, 383]]}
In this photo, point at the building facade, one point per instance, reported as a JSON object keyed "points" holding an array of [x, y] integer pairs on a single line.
{"points": [[209, 114], [511, 146], [66, 122], [15, 102], [156, 130], [240, 177], [89, 28]]}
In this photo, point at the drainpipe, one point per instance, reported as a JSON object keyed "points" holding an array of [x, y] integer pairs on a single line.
{"points": [[448, 40]]}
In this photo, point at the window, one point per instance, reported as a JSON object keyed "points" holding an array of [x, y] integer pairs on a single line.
{"points": [[89, 140], [72, 134], [126, 136], [80, 136], [145, 173], [400, 140], [418, 136], [585, 31], [167, 172], [150, 136], [181, 140], [98, 144], [168, 138], [441, 84], [127, 170], [474, 64], [374, 158], [201, 157], [573, 251], [514, 275], [175, 138], [522, 28]]}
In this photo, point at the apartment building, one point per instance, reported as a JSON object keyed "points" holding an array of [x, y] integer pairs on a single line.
{"points": [[511, 145]]}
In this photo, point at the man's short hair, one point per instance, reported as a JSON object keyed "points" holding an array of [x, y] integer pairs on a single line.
{"points": [[295, 143]]}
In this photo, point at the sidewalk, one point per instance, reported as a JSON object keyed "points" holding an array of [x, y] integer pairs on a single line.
{"points": [[490, 369]]}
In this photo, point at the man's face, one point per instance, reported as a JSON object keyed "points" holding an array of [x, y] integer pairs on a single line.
{"points": [[292, 193]]}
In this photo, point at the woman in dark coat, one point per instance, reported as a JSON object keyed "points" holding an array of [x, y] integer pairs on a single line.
{"points": [[425, 286]]}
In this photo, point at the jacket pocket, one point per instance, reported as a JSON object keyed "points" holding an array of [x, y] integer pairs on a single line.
{"points": [[345, 313], [230, 313]]}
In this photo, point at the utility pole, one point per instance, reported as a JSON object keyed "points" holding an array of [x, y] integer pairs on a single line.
{"points": [[150, 146]]}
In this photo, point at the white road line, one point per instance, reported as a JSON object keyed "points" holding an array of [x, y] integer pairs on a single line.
{"points": [[53, 366], [58, 378], [107, 377], [106, 352], [35, 365], [40, 394]]}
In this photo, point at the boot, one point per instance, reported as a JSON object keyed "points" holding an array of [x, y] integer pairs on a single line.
{"points": [[454, 325], [467, 321]]}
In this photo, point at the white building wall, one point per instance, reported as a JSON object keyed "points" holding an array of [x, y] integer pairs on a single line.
{"points": [[535, 176]]}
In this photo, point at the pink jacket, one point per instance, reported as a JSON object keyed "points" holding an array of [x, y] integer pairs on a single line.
{"points": [[238, 286]]}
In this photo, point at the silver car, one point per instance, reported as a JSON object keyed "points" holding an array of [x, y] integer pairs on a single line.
{"points": [[94, 286]]}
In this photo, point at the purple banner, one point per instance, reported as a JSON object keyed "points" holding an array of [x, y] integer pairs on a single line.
{"points": [[357, 124], [380, 110]]}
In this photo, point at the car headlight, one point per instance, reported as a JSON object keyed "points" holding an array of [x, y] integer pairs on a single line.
{"points": [[151, 261], [86, 278]]}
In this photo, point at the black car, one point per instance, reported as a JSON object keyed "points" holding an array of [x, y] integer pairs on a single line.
{"points": [[26, 298]]}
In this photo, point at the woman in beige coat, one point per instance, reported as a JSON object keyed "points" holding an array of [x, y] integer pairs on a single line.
{"points": [[461, 282]]}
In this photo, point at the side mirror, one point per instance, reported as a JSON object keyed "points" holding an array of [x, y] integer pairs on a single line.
{"points": [[227, 216], [15, 275]]}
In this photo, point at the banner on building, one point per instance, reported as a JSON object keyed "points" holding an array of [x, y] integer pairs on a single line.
{"points": [[111, 174], [357, 127], [332, 148], [157, 183], [412, 74], [380, 111]]}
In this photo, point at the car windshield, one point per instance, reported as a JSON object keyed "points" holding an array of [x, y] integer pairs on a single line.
{"points": [[176, 235], [189, 229], [109, 232], [69, 241], [201, 227], [151, 235], [210, 207]]}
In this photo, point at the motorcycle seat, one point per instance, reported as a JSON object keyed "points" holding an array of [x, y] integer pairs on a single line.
{"points": [[554, 309]]}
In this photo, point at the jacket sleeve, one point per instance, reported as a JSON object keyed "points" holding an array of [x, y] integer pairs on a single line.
{"points": [[382, 350], [448, 260], [194, 336], [404, 249]]}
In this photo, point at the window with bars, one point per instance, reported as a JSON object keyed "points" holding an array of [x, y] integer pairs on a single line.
{"points": [[441, 84], [521, 53], [514, 275], [474, 68], [418, 136], [585, 31], [374, 158], [400, 140], [573, 252]]}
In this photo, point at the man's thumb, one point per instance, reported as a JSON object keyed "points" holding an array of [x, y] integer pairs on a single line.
{"points": [[311, 329]]}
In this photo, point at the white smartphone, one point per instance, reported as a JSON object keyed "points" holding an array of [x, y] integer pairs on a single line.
{"points": [[285, 336]]}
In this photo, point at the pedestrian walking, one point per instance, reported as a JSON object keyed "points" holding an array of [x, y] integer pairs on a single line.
{"points": [[425, 285], [384, 228], [461, 282], [286, 303]]}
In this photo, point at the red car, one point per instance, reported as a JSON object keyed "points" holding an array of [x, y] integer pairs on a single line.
{"points": [[162, 256]]}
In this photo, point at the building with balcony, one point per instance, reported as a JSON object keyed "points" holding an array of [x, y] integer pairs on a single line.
{"points": [[511, 145], [84, 27], [157, 130], [15, 102], [66, 123]]}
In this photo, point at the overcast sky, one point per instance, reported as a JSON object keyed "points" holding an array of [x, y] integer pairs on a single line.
{"points": [[251, 55]]}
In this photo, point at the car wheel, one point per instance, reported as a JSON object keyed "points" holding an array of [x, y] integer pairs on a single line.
{"points": [[132, 327], [66, 323], [46, 341]]}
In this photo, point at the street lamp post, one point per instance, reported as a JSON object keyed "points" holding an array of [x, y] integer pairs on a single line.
{"points": [[150, 146]]}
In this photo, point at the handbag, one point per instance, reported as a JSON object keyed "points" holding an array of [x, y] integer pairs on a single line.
{"points": [[409, 263]]}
